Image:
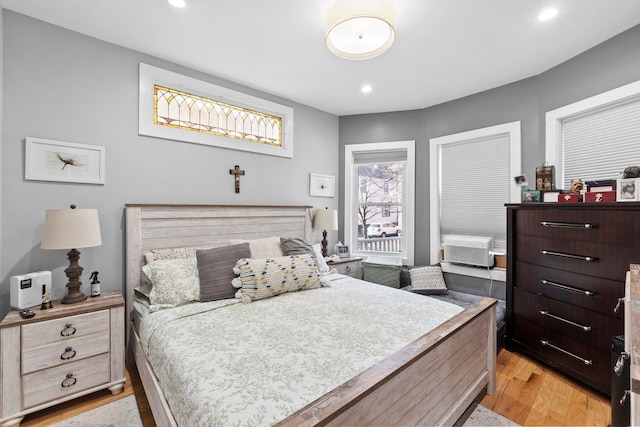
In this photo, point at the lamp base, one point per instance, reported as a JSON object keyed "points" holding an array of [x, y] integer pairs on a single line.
{"points": [[325, 242], [73, 272]]}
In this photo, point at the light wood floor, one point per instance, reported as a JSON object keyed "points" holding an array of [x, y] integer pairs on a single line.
{"points": [[527, 393]]}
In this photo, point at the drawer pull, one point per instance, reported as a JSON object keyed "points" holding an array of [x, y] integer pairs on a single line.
{"points": [[68, 330], [587, 362], [616, 309], [619, 366], [577, 325], [563, 255], [567, 288], [69, 381], [623, 399], [566, 225], [348, 268], [69, 353]]}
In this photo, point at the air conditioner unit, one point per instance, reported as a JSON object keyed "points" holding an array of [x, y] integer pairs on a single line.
{"points": [[469, 250]]}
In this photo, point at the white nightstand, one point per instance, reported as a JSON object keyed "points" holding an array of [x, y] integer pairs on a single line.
{"points": [[348, 266], [59, 354]]}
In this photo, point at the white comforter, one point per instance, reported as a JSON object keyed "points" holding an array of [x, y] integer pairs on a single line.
{"points": [[231, 364]]}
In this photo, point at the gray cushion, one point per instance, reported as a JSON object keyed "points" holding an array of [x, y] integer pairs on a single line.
{"points": [[215, 268], [388, 275], [296, 246]]}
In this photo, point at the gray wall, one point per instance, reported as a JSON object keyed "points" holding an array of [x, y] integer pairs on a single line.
{"points": [[65, 86], [614, 63]]}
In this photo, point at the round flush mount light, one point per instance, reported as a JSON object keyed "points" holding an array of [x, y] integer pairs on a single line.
{"points": [[547, 14], [360, 29], [366, 89], [177, 3]]}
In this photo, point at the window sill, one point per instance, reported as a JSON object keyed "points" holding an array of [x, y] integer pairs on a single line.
{"points": [[499, 274]]}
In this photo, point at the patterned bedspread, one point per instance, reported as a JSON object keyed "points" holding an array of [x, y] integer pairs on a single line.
{"points": [[233, 364]]}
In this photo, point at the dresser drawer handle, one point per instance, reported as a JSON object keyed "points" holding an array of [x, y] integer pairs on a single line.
{"points": [[348, 268], [69, 381], [616, 309], [567, 288], [619, 365], [566, 225], [563, 255], [546, 343], [577, 325], [69, 353], [68, 330]]}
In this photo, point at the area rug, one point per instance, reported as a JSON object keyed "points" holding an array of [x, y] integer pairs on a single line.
{"points": [[121, 413], [481, 416]]}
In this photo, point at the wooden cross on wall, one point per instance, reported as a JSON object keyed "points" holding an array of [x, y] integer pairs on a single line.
{"points": [[237, 172]]}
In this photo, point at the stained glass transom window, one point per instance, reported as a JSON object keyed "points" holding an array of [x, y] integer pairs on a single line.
{"points": [[182, 110]]}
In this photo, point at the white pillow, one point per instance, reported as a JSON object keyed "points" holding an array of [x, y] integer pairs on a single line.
{"points": [[175, 282], [322, 264], [269, 247], [428, 280]]}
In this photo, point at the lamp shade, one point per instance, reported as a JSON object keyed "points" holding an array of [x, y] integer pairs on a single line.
{"points": [[71, 229], [326, 219], [360, 29]]}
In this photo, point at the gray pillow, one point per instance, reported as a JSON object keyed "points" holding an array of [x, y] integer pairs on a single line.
{"points": [[296, 246], [215, 268], [382, 274]]}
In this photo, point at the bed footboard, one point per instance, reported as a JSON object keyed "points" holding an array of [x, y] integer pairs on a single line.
{"points": [[430, 382]]}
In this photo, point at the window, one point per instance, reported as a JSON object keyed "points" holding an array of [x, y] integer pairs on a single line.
{"points": [[204, 113], [595, 138], [379, 199], [471, 176]]}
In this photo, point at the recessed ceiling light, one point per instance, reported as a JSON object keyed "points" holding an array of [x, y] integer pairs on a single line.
{"points": [[366, 89], [177, 3], [547, 14]]}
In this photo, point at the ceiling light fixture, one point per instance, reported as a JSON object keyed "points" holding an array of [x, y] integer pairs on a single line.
{"points": [[366, 89], [360, 29], [177, 3], [548, 14]]}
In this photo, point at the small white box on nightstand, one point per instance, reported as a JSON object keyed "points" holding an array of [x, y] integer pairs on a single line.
{"points": [[27, 289]]}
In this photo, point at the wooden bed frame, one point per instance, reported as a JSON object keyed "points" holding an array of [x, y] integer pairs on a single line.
{"points": [[431, 381]]}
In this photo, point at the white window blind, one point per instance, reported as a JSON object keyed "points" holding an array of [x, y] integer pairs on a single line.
{"points": [[599, 144], [475, 185]]}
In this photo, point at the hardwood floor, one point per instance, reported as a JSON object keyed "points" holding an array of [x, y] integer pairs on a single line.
{"points": [[527, 393]]}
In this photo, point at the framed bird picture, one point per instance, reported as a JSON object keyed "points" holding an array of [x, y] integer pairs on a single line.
{"points": [[48, 160]]}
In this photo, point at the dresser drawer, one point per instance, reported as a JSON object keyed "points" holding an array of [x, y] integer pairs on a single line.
{"points": [[60, 353], [614, 226], [590, 292], [61, 381], [562, 351], [36, 335], [571, 255], [348, 269], [582, 325]]}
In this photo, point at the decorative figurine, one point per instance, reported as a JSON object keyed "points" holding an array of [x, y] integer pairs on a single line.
{"points": [[46, 301], [95, 284], [631, 172], [576, 186]]}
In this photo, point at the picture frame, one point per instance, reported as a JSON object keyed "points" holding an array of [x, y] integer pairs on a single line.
{"points": [[521, 181], [627, 190], [550, 196], [531, 196], [49, 160], [342, 251], [601, 185], [321, 185]]}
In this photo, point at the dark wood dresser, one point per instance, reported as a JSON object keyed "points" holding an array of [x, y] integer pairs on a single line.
{"points": [[566, 266]]}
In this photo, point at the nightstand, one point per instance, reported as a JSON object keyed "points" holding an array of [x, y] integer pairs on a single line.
{"points": [[59, 354], [348, 266]]}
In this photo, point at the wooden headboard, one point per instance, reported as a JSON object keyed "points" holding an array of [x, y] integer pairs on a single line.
{"points": [[174, 226]]}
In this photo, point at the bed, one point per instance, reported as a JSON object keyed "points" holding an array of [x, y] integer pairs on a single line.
{"points": [[430, 379]]}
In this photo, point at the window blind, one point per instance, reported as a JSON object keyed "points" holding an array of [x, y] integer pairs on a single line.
{"points": [[474, 188], [382, 156], [601, 143]]}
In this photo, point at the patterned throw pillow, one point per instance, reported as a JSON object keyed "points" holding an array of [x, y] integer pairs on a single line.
{"points": [[175, 282], [269, 277], [428, 280]]}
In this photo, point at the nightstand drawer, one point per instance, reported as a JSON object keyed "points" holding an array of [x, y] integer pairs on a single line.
{"points": [[348, 269], [61, 381], [37, 335], [60, 353]]}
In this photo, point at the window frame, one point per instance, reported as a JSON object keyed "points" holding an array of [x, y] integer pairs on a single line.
{"points": [[151, 76], [554, 149], [513, 129], [351, 190]]}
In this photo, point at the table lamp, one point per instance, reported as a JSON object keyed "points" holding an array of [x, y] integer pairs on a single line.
{"points": [[325, 219], [71, 229]]}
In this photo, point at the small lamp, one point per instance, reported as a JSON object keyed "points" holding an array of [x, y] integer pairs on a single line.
{"points": [[71, 229], [325, 219]]}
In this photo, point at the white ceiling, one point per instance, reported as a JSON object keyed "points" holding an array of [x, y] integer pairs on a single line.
{"points": [[444, 49]]}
